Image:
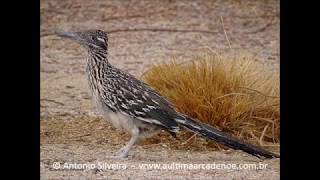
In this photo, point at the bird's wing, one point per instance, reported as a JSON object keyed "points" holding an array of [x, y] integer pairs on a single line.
{"points": [[140, 101]]}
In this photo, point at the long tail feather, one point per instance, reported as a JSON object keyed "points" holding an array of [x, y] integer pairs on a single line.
{"points": [[223, 138]]}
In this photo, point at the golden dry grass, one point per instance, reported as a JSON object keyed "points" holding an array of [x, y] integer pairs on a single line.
{"points": [[232, 92]]}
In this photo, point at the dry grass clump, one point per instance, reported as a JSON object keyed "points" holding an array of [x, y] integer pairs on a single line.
{"points": [[232, 92]]}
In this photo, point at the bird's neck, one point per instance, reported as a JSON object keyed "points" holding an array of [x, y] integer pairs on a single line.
{"points": [[98, 64], [97, 57]]}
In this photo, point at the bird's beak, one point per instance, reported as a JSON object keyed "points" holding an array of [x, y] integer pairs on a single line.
{"points": [[69, 35]]}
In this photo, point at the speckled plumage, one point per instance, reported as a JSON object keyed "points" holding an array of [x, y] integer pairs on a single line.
{"points": [[119, 92], [133, 106]]}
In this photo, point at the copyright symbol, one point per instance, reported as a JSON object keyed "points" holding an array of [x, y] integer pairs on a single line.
{"points": [[56, 165]]}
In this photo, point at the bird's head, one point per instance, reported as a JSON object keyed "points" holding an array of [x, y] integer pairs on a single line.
{"points": [[90, 39]]}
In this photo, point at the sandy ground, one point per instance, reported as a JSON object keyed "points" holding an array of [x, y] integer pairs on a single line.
{"points": [[72, 131]]}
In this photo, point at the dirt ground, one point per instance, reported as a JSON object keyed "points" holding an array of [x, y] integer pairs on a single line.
{"points": [[72, 131]]}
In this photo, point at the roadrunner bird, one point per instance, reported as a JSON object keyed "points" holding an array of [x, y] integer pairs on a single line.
{"points": [[133, 106]]}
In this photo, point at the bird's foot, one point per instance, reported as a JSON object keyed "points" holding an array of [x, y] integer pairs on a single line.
{"points": [[121, 154], [119, 157]]}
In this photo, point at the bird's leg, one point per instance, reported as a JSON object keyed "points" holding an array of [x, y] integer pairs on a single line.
{"points": [[123, 152]]}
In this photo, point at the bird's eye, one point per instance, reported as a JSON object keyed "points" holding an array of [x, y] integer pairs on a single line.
{"points": [[100, 39], [93, 38]]}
